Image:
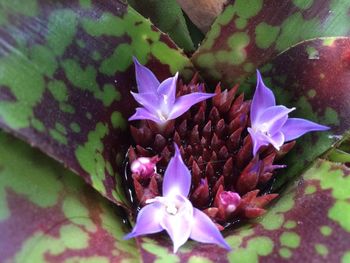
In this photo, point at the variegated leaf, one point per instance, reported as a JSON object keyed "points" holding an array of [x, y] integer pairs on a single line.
{"points": [[249, 34], [48, 214], [65, 79]]}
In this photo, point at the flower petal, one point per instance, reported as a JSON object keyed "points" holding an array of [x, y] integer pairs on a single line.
{"points": [[259, 140], [272, 119], [277, 140], [145, 79], [148, 100], [183, 103], [295, 127], [205, 231], [262, 99], [179, 225], [148, 220], [143, 114], [167, 91], [177, 178]]}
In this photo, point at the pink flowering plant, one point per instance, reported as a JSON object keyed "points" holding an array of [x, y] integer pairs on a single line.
{"points": [[171, 130]]}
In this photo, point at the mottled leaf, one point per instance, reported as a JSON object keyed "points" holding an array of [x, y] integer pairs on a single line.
{"points": [[48, 214], [65, 76], [168, 17], [249, 33]]}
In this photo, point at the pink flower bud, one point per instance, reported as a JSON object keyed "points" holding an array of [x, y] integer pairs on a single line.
{"points": [[229, 201], [144, 166]]}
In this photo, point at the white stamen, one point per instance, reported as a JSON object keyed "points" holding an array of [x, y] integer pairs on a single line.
{"points": [[264, 127], [161, 115], [165, 98], [171, 209], [230, 208]]}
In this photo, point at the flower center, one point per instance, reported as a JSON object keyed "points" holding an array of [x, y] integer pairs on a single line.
{"points": [[162, 115], [171, 209], [264, 127]]}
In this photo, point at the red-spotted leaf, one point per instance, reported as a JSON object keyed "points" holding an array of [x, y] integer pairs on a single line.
{"points": [[250, 33], [48, 214], [65, 76]]}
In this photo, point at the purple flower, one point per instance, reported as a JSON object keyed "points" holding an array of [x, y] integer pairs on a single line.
{"points": [[270, 123], [174, 213], [159, 99]]}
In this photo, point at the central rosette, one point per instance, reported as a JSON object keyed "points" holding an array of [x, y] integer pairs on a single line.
{"points": [[225, 148], [215, 145]]}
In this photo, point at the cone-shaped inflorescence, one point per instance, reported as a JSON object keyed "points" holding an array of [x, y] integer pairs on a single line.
{"points": [[227, 180]]}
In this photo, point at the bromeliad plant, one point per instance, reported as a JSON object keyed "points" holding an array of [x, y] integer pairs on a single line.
{"points": [[66, 73]]}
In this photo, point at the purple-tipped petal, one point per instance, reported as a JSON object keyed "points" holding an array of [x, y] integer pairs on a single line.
{"points": [[295, 127], [177, 178], [183, 103], [167, 91], [145, 79], [205, 231], [258, 139], [148, 221], [149, 101], [272, 119], [262, 99], [179, 226], [143, 114]]}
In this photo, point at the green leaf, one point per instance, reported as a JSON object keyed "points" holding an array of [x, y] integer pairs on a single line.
{"points": [[48, 214], [65, 79], [341, 154], [168, 17], [250, 33]]}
